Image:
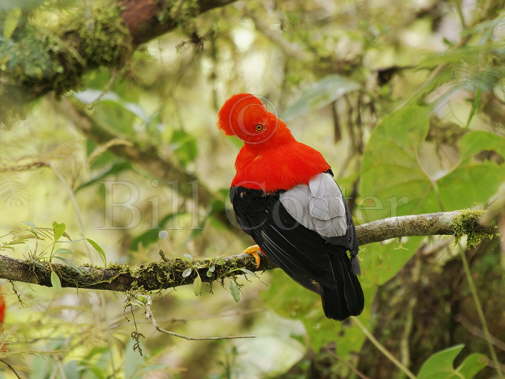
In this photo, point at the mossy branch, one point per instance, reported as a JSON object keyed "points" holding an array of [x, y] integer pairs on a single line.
{"points": [[37, 60], [177, 272]]}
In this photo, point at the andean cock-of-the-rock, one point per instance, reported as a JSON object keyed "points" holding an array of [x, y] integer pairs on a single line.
{"points": [[284, 196]]}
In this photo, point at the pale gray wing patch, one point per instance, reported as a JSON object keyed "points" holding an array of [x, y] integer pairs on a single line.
{"points": [[319, 206]]}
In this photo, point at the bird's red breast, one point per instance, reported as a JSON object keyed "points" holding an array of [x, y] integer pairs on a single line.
{"points": [[271, 158]]}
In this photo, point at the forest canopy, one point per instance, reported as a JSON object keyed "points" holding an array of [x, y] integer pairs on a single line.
{"points": [[120, 254]]}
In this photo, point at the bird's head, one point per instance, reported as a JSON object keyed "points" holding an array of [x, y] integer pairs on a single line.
{"points": [[245, 116]]}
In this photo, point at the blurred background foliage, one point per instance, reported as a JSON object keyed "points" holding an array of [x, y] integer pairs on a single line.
{"points": [[405, 99]]}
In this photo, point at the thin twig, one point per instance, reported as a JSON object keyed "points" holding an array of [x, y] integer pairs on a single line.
{"points": [[382, 348], [150, 316], [174, 334], [23, 167], [107, 145], [11, 368]]}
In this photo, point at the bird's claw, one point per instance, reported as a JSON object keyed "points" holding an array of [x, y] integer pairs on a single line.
{"points": [[255, 251]]}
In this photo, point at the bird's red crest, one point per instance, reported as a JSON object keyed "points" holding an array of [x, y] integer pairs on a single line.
{"points": [[237, 111]]}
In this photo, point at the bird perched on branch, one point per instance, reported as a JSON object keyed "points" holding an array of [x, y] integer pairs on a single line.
{"points": [[285, 198]]}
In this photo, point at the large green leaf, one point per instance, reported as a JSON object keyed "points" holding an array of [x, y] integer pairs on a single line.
{"points": [[473, 182], [392, 181], [440, 365], [321, 93]]}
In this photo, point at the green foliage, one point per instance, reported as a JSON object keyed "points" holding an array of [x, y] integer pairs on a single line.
{"points": [[99, 250], [321, 93], [152, 235], [393, 182], [440, 365], [114, 169], [234, 290], [58, 230], [184, 145], [55, 280], [473, 180]]}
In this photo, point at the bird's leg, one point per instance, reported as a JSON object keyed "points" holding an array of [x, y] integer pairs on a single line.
{"points": [[255, 251]]}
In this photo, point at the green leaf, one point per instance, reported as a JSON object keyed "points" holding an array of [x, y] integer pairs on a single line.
{"points": [[288, 298], [63, 251], [468, 186], [113, 111], [382, 261], [184, 146], [476, 141], [70, 264], [151, 236], [58, 230], [472, 365], [440, 365], [392, 181], [475, 107], [234, 291], [145, 239], [72, 369], [99, 250], [55, 280], [197, 286], [41, 367], [321, 93], [11, 22], [133, 361], [474, 182], [116, 168]]}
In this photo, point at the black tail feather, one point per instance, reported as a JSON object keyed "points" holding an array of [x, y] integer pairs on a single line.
{"points": [[345, 298]]}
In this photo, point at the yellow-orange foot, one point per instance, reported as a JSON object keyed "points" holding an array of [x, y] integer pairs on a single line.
{"points": [[255, 251]]}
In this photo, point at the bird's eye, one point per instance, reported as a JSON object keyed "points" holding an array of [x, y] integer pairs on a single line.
{"points": [[259, 127]]}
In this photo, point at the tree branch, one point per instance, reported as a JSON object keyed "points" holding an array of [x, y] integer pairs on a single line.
{"points": [[102, 33], [177, 272]]}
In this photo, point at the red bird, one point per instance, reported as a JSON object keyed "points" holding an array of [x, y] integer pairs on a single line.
{"points": [[285, 198]]}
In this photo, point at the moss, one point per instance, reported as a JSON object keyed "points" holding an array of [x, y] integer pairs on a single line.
{"points": [[104, 38], [179, 12], [41, 62], [468, 223]]}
